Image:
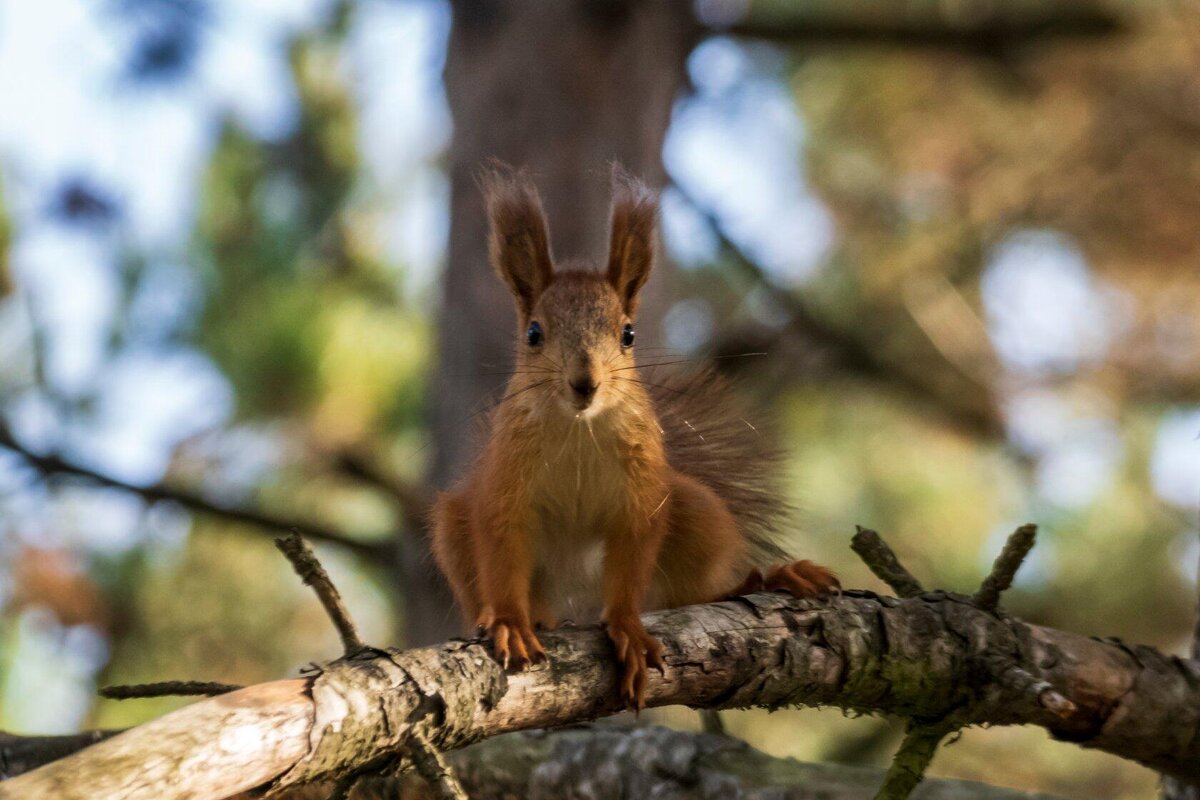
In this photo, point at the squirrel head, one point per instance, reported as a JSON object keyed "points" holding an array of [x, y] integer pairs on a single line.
{"points": [[575, 326]]}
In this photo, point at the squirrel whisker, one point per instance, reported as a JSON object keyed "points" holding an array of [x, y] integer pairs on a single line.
{"points": [[650, 383], [508, 397]]}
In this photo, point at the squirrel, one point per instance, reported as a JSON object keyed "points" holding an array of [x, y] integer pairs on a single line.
{"points": [[596, 490]]}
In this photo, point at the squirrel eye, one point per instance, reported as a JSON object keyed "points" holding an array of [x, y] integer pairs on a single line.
{"points": [[534, 334], [627, 336]]}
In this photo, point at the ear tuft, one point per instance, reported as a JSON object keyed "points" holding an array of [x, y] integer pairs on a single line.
{"points": [[633, 236], [518, 242]]}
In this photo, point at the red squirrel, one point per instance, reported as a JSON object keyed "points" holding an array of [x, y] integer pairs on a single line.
{"points": [[597, 491]]}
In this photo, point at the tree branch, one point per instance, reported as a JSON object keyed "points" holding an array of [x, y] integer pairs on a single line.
{"points": [[917, 658], [432, 766], [20, 754], [851, 353], [54, 465], [673, 764], [988, 29], [414, 499]]}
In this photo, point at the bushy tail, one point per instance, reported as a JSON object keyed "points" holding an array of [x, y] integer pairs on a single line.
{"points": [[712, 436]]}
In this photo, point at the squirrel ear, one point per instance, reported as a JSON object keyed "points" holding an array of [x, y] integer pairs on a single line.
{"points": [[518, 244], [634, 228]]}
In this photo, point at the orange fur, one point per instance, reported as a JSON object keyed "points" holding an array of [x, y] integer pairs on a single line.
{"points": [[573, 507]]}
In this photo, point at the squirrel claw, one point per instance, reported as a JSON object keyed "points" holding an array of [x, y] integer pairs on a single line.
{"points": [[515, 644], [637, 651]]}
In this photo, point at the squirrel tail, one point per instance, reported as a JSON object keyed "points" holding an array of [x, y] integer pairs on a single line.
{"points": [[710, 436]]}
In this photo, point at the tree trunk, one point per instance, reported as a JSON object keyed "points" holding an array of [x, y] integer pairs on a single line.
{"points": [[562, 88]]}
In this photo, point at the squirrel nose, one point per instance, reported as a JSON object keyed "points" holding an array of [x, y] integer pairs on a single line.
{"points": [[584, 388]]}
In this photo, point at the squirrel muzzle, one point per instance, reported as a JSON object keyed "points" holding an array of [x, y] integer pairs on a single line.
{"points": [[583, 383]]}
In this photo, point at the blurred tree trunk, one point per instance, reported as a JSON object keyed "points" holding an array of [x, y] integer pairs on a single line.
{"points": [[562, 88]]}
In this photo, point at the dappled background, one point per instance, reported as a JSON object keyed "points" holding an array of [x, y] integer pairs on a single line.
{"points": [[242, 290]]}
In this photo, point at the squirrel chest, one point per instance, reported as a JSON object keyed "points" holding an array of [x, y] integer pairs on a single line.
{"points": [[583, 480], [587, 478]]}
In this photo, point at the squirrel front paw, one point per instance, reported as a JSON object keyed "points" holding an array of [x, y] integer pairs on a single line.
{"points": [[637, 651], [513, 641]]}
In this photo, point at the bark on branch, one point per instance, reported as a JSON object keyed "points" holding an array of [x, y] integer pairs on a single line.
{"points": [[926, 657]]}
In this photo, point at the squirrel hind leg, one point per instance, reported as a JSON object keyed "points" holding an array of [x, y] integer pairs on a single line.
{"points": [[754, 582], [800, 579], [703, 552]]}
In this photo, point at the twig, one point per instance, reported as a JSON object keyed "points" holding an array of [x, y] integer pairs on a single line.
{"points": [[49, 465], [1007, 563], [712, 722], [432, 766], [1012, 675], [341, 790], [305, 562], [912, 759], [135, 691], [876, 554]]}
